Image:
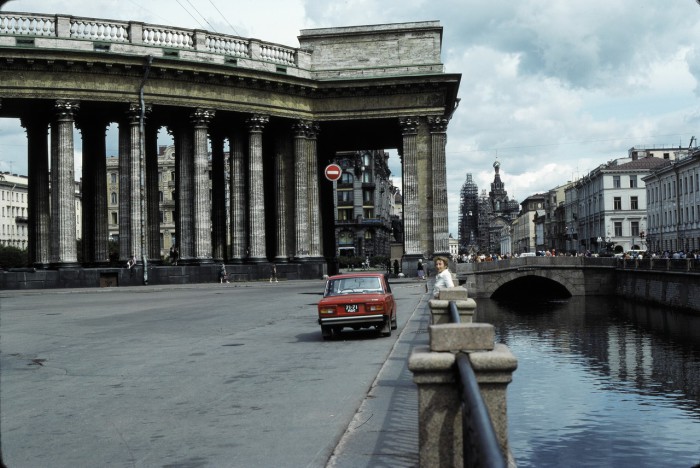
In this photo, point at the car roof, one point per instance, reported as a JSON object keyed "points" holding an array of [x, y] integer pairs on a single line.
{"points": [[357, 275]]}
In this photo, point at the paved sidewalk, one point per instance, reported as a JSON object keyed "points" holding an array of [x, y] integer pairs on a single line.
{"points": [[384, 431]]}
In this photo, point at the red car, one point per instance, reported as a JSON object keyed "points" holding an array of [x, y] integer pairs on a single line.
{"points": [[357, 300]]}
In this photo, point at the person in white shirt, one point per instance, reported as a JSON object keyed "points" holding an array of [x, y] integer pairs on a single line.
{"points": [[443, 279]]}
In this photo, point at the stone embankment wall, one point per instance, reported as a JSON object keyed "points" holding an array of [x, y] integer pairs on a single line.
{"points": [[678, 290]]}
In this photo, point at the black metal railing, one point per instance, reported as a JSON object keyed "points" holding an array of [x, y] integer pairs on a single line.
{"points": [[480, 448]]}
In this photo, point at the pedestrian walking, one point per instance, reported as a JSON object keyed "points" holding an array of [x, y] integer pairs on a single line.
{"points": [[273, 273], [223, 275], [420, 269]]}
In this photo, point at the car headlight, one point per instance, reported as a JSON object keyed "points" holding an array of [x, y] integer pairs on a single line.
{"points": [[376, 307], [326, 310]]}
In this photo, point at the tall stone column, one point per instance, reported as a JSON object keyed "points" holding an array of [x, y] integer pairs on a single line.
{"points": [[282, 171], [94, 190], [256, 207], [184, 205], [301, 186], [132, 238], [237, 195], [202, 204], [218, 190], [63, 238], [438, 141], [38, 191], [411, 217], [124, 192], [152, 194], [312, 184]]}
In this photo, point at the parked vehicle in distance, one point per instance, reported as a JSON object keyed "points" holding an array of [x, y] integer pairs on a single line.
{"points": [[357, 300], [528, 254]]}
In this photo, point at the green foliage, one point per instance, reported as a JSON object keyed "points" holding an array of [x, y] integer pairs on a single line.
{"points": [[12, 257]]}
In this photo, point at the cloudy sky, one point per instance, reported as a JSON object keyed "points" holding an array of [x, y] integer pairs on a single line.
{"points": [[550, 88]]}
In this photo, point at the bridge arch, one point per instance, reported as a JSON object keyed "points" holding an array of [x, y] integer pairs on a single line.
{"points": [[532, 286]]}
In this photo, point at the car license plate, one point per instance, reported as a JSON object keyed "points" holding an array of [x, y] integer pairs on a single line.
{"points": [[351, 308]]}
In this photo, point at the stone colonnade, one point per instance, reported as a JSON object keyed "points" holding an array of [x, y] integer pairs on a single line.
{"points": [[278, 221]]}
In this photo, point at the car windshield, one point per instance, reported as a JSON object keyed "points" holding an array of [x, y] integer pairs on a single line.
{"points": [[358, 285]]}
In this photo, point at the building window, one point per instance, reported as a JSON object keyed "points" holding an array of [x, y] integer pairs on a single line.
{"points": [[161, 241], [367, 177], [368, 213], [345, 196], [634, 203], [617, 203], [160, 215], [172, 175], [346, 178], [344, 215], [616, 181], [667, 155], [113, 198], [368, 235], [113, 177], [367, 197], [618, 228], [114, 217], [160, 196], [345, 238], [633, 181], [634, 226]]}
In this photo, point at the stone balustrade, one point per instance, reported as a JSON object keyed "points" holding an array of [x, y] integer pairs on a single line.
{"points": [[141, 34], [435, 374]]}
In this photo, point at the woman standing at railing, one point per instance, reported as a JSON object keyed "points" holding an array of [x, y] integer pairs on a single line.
{"points": [[443, 279]]}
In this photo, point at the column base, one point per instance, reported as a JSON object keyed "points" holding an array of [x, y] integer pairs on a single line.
{"points": [[57, 265], [280, 260], [256, 260]]}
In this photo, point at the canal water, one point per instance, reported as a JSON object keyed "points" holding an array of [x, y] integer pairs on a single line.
{"points": [[601, 382]]}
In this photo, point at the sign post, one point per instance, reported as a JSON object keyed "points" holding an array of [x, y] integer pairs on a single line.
{"points": [[333, 172]]}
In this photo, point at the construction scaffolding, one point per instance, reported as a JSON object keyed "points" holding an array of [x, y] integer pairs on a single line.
{"points": [[468, 231]]}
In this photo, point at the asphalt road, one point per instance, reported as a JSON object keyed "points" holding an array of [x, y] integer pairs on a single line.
{"points": [[233, 375]]}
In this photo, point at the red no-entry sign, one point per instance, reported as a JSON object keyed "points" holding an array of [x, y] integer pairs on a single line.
{"points": [[333, 172]]}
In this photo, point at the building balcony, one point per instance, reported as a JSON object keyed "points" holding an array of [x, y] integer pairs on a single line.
{"points": [[21, 220]]}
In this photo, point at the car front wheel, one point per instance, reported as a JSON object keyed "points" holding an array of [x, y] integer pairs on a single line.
{"points": [[327, 332]]}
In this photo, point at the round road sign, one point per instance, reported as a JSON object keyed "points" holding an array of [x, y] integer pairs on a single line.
{"points": [[333, 172]]}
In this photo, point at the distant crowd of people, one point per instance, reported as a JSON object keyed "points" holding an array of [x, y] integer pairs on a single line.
{"points": [[680, 254]]}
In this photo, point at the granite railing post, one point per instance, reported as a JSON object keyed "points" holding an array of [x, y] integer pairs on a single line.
{"points": [[434, 370], [440, 308]]}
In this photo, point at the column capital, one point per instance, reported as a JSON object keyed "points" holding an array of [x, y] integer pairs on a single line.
{"points": [[306, 128], [133, 114], [257, 122], [438, 123], [65, 108], [409, 125], [201, 117]]}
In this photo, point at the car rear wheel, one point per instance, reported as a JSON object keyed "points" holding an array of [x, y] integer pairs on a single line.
{"points": [[386, 329]]}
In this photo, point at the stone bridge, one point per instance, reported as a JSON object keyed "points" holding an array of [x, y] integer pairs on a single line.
{"points": [[528, 276]]}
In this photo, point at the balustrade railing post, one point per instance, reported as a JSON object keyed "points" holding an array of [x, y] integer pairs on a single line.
{"points": [[440, 435], [440, 308], [135, 32], [63, 26]]}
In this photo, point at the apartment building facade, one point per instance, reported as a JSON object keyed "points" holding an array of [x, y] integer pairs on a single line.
{"points": [[673, 210]]}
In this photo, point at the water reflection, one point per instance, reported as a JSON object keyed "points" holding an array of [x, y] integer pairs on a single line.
{"points": [[601, 382]]}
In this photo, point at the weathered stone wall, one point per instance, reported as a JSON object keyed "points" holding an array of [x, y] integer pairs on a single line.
{"points": [[374, 50], [681, 290]]}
